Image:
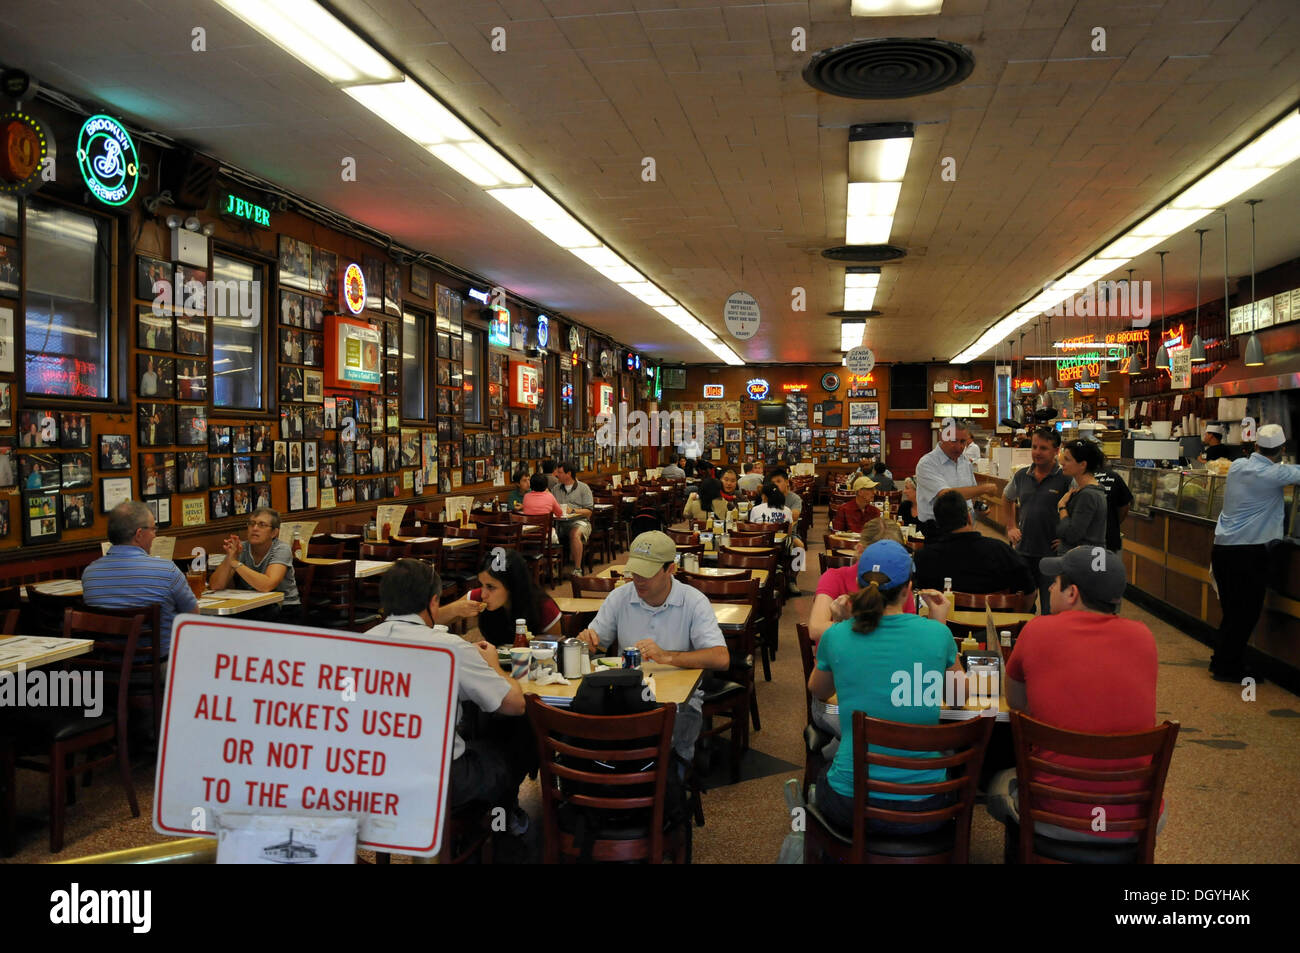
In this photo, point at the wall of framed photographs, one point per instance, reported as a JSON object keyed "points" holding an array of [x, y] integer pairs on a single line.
{"points": [[176, 431]]}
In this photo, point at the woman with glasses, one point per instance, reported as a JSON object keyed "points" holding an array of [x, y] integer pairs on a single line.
{"points": [[263, 563]]}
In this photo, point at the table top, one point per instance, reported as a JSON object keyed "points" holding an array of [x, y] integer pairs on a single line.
{"points": [[972, 709], [455, 542], [976, 617], [34, 651], [671, 685], [414, 539], [372, 567], [235, 601]]}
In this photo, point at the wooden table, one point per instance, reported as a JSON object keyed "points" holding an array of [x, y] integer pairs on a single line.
{"points": [[414, 539], [455, 542], [235, 601], [672, 684], [33, 651], [972, 708], [372, 567]]}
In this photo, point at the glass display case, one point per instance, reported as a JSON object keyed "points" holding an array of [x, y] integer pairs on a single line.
{"points": [[1167, 485], [1141, 481], [1194, 496]]}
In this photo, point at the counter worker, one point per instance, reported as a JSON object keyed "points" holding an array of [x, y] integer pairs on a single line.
{"points": [[1215, 448], [945, 468], [1252, 517], [670, 623]]}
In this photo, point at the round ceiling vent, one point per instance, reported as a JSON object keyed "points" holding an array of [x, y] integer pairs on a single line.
{"points": [[853, 314], [889, 68], [865, 253]]}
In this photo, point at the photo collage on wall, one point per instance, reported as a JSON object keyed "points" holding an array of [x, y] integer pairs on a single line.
{"points": [[449, 357], [235, 470], [51, 466]]}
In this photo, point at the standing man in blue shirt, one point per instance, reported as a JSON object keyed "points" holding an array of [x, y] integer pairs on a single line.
{"points": [[127, 576], [1251, 518]]}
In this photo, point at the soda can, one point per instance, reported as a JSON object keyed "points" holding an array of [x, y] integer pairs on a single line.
{"points": [[631, 658]]}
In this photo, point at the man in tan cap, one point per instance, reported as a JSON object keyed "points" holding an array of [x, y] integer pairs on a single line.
{"points": [[1252, 517], [850, 517], [669, 622]]}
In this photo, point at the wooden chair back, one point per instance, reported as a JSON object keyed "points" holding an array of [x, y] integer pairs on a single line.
{"points": [[566, 740], [325, 548], [386, 552], [833, 560], [490, 517], [1012, 601], [148, 660], [45, 610], [808, 659], [333, 595], [10, 623], [600, 584], [683, 537], [429, 550], [723, 589], [1146, 781], [730, 559], [763, 553], [962, 745], [753, 539], [758, 529], [116, 639], [507, 535]]}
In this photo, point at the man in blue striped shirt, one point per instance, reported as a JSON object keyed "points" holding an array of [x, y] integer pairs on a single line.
{"points": [[127, 576], [1252, 517]]}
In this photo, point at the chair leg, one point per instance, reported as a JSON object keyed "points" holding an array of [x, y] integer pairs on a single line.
{"points": [[70, 777], [739, 741], [8, 802], [56, 797], [753, 712], [767, 662], [124, 768]]}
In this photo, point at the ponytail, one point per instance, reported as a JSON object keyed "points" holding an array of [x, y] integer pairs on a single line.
{"points": [[869, 602]]}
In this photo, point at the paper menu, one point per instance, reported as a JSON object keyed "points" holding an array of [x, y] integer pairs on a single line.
{"points": [[306, 529], [390, 515], [163, 547]]}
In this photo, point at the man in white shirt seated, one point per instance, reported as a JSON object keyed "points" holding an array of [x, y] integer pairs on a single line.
{"points": [[482, 769], [668, 621], [752, 481]]}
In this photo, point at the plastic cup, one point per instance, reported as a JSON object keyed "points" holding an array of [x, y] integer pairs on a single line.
{"points": [[198, 582], [520, 659]]}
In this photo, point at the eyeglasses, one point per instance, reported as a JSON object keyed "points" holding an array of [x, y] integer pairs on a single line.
{"points": [[263, 523]]}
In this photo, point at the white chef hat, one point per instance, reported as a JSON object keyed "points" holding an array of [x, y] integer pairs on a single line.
{"points": [[1270, 436], [1218, 429]]}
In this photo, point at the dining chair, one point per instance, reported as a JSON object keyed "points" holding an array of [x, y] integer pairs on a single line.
{"points": [[580, 585], [593, 813], [145, 685], [1137, 789], [814, 738], [960, 745]]}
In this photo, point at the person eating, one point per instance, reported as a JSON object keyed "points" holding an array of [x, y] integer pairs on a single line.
{"points": [[506, 592]]}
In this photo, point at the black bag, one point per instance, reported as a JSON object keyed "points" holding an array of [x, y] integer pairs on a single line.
{"points": [[616, 692]]}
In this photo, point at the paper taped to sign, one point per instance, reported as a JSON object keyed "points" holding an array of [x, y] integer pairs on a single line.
{"points": [[281, 719]]}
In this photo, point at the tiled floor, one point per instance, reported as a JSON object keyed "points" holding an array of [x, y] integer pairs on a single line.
{"points": [[1230, 796]]}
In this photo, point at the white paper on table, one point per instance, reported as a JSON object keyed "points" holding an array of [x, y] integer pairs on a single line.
{"points": [[390, 515], [236, 595]]}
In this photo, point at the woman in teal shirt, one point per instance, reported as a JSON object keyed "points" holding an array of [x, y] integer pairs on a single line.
{"points": [[869, 661]]}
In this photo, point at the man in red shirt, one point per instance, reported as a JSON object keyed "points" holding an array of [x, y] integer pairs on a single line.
{"points": [[850, 517], [1083, 669]]}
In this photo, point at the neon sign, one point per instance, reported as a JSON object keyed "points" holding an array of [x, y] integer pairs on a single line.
{"points": [[789, 389], [566, 393], [108, 161], [236, 207], [1087, 387], [967, 387], [354, 288], [713, 391], [757, 388], [26, 148], [481, 296], [499, 328], [543, 331]]}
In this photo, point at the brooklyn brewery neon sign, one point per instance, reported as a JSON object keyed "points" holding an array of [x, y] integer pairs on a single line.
{"points": [[107, 160]]}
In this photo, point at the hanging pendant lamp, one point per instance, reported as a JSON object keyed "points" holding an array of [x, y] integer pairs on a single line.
{"points": [[1254, 352], [1134, 364], [1198, 346], [1162, 355], [1049, 383], [1032, 388]]}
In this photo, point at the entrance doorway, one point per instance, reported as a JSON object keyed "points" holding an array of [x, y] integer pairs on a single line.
{"points": [[906, 441]]}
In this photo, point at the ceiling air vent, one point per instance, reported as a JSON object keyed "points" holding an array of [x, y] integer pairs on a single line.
{"points": [[853, 314], [865, 253], [889, 68]]}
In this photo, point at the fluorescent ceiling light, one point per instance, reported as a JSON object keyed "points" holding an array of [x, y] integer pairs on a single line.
{"points": [[647, 293], [316, 38], [873, 198], [1274, 149], [851, 333], [879, 160], [452, 154], [895, 8], [602, 257], [860, 288], [411, 110], [621, 274], [494, 162]]}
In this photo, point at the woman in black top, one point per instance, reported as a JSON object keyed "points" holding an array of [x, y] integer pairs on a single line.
{"points": [[1082, 510]]}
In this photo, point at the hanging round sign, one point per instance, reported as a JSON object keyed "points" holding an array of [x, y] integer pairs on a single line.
{"points": [[830, 382], [861, 360], [108, 161], [26, 149], [354, 288], [741, 315]]}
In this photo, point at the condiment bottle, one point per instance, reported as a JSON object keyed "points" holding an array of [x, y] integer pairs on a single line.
{"points": [[947, 592], [969, 644], [1005, 638], [521, 633]]}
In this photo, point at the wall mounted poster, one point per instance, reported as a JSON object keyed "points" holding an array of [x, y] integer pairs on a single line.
{"points": [[864, 413]]}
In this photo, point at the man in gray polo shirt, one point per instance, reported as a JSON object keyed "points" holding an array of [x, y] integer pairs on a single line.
{"points": [[578, 505], [1036, 491], [669, 622]]}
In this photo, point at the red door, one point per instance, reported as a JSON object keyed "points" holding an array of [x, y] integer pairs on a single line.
{"points": [[906, 441]]}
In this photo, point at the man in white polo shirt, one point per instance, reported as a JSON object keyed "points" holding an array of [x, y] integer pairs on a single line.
{"points": [[669, 622], [945, 468]]}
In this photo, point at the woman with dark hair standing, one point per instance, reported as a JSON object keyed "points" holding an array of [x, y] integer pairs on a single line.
{"points": [[1082, 509], [708, 502], [857, 659], [506, 592]]}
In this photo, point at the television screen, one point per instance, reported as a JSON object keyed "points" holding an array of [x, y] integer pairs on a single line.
{"points": [[771, 414]]}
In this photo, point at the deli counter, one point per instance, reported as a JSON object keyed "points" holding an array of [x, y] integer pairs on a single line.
{"points": [[1168, 537]]}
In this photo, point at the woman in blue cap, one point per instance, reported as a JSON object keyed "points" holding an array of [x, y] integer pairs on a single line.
{"points": [[869, 661]]}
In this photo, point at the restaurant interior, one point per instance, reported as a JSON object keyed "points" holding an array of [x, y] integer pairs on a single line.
{"points": [[369, 265]]}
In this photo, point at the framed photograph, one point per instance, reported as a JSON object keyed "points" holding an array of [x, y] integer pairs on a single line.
{"points": [[420, 281], [313, 386], [331, 421], [9, 224], [324, 271], [77, 471], [290, 384], [198, 471], [457, 354], [345, 491], [192, 380], [313, 350], [112, 491], [243, 470], [4, 519], [290, 345], [864, 413], [291, 422], [219, 438], [8, 463], [261, 468], [290, 309], [193, 285], [191, 334], [393, 454], [295, 263], [313, 313], [39, 471], [155, 375], [240, 439], [157, 473], [161, 508], [220, 503], [38, 428], [148, 271], [296, 501], [10, 269], [373, 269], [74, 430], [6, 340], [309, 456], [155, 329], [346, 408], [295, 456], [243, 500], [40, 518], [313, 422], [191, 426], [262, 496], [281, 456], [392, 289], [78, 510]]}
